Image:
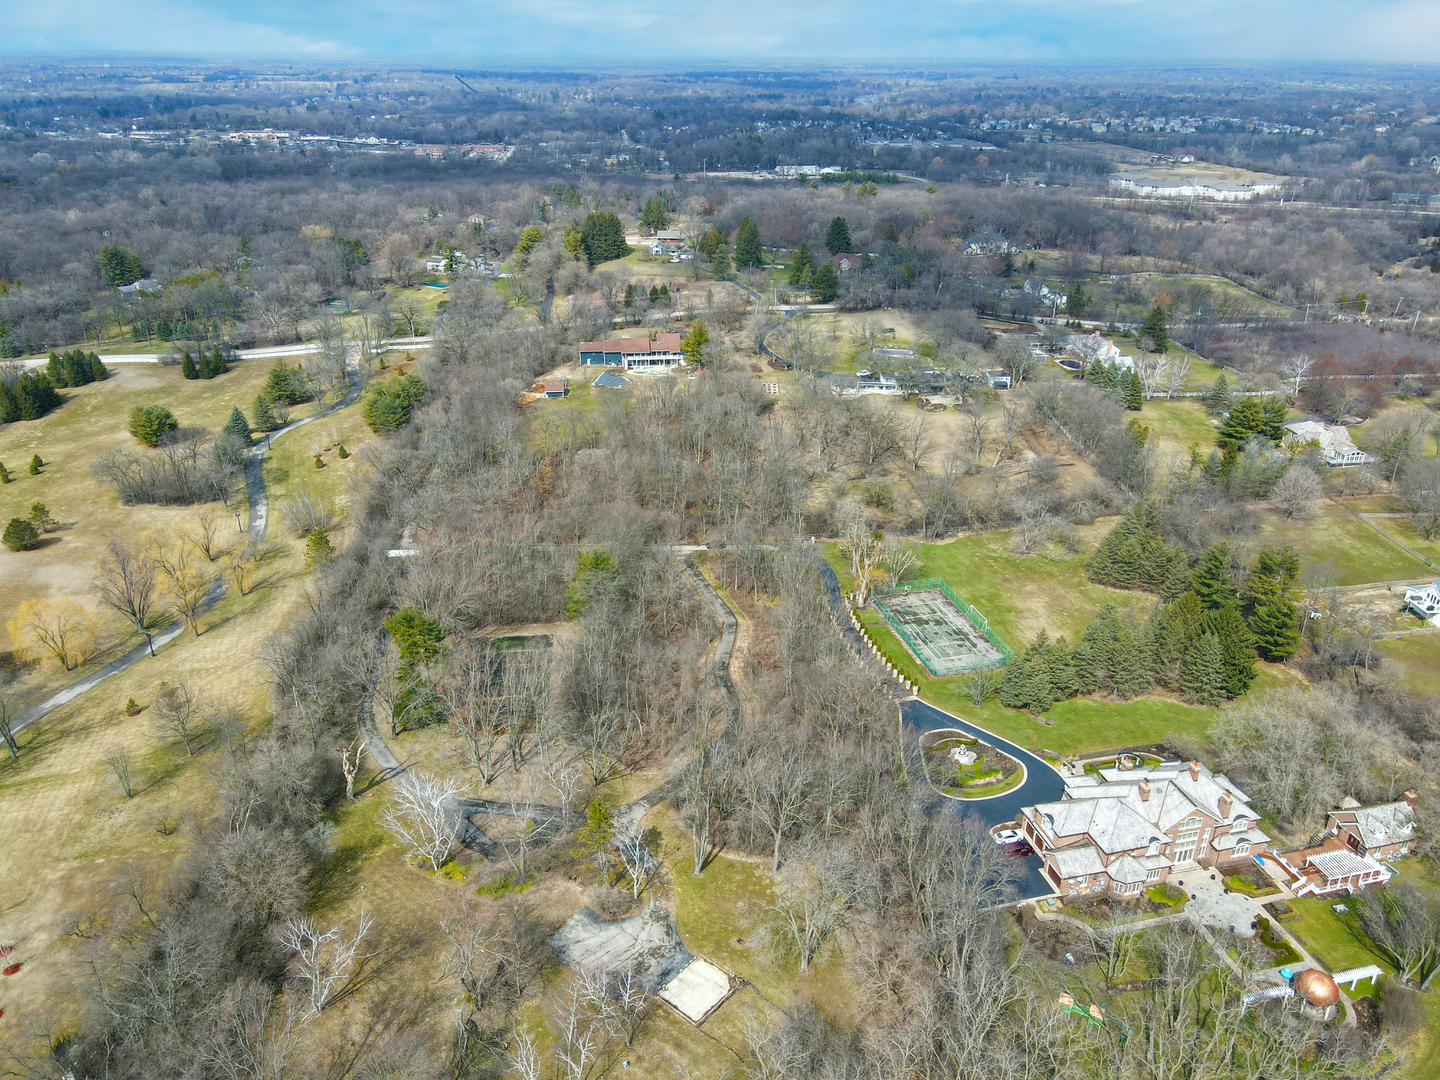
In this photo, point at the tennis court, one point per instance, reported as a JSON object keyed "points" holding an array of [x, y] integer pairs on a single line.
{"points": [[947, 639]]}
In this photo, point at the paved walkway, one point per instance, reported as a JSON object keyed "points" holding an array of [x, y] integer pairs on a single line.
{"points": [[258, 522]]}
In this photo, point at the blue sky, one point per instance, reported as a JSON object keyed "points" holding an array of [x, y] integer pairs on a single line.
{"points": [[481, 31]]}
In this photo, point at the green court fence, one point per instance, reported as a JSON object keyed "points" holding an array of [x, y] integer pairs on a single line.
{"points": [[977, 620]]}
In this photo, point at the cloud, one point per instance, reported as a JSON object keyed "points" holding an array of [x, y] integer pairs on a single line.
{"points": [[744, 31]]}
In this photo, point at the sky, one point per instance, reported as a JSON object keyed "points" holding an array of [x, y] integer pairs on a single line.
{"points": [[759, 31]]}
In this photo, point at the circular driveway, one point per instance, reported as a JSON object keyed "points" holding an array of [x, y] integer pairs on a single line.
{"points": [[1042, 784]]}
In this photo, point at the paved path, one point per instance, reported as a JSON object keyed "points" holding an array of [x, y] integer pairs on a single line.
{"points": [[259, 519], [729, 626], [268, 353]]}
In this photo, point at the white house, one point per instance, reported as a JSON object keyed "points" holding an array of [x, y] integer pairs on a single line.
{"points": [[435, 264], [1337, 449], [1094, 347], [1425, 601]]}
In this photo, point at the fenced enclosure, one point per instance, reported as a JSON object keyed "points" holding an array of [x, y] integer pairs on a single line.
{"points": [[947, 635]]}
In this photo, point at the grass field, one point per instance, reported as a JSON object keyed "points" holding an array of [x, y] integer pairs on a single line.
{"points": [[61, 796], [1179, 424], [1415, 660], [1357, 552], [1020, 596], [1405, 531], [94, 419]]}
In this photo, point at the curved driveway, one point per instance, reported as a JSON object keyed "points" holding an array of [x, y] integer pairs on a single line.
{"points": [[1042, 782]]}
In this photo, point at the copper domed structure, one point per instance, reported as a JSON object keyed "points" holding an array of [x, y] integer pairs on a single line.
{"points": [[1317, 988]]}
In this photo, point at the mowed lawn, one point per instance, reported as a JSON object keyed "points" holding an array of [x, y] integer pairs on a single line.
{"points": [[1358, 553], [1179, 424], [94, 418], [1404, 530], [1020, 596]]}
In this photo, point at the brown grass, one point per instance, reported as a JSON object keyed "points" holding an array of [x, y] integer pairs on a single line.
{"points": [[94, 419]]}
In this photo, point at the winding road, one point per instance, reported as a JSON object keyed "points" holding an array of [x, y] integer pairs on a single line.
{"points": [[259, 519]]}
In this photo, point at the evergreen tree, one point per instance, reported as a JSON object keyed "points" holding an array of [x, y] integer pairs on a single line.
{"points": [[238, 426], [1273, 413], [1246, 419], [118, 266], [151, 423], [837, 237], [692, 346], [5, 477], [1060, 671], [1082, 663], [1132, 671], [1203, 678], [655, 215], [1165, 645], [36, 465], [1076, 300], [187, 366], [386, 406], [20, 535], [1155, 328], [720, 263], [285, 385], [319, 551], [802, 263], [1237, 645], [1134, 392], [825, 285], [55, 369], [603, 237], [215, 365], [747, 245], [1211, 582], [1177, 576], [1268, 605], [264, 416], [1012, 691], [98, 371]]}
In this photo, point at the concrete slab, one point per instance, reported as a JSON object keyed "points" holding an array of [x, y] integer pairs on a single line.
{"points": [[1210, 905], [647, 944], [698, 990]]}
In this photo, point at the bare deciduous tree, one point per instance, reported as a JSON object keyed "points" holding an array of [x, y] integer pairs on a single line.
{"points": [[350, 765], [810, 902], [203, 532], [126, 581], [118, 758], [324, 962], [187, 584], [422, 816], [1296, 368], [7, 714], [1298, 491], [178, 713], [777, 791]]}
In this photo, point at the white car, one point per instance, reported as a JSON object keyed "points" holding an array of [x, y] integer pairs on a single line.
{"points": [[1008, 836], [864, 373]]}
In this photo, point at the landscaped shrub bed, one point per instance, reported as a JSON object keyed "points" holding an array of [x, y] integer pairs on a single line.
{"points": [[1250, 880], [990, 771], [1281, 951]]}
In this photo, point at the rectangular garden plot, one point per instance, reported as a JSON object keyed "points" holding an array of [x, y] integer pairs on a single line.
{"points": [[947, 635]]}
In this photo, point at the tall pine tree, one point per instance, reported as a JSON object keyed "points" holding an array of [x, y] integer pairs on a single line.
{"points": [[1211, 582], [747, 245], [837, 237], [1203, 679], [1217, 398]]}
